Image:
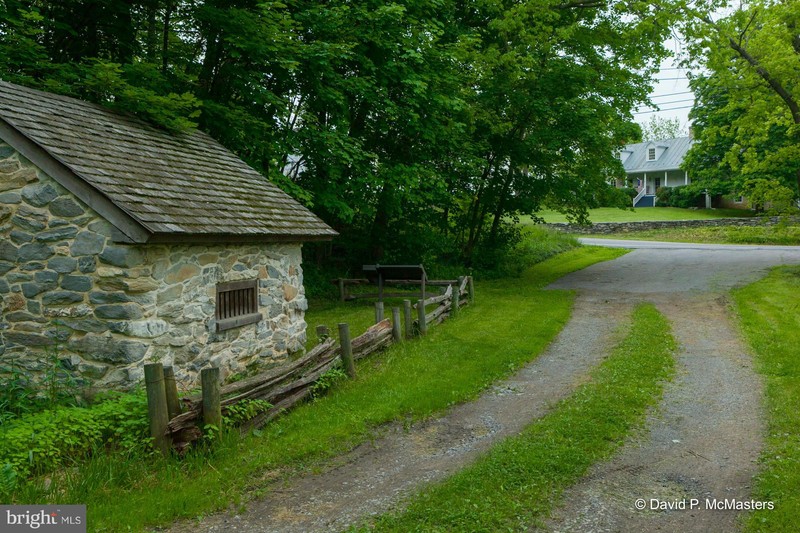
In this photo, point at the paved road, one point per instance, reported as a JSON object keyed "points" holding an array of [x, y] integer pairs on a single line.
{"points": [[672, 267]]}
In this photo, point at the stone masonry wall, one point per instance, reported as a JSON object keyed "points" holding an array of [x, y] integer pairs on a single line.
{"points": [[104, 309], [626, 227]]}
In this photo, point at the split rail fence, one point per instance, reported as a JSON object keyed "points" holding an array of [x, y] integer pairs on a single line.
{"points": [[178, 423]]}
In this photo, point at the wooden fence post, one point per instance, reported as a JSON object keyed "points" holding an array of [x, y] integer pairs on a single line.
{"points": [[407, 317], [157, 406], [456, 301], [322, 333], [212, 409], [423, 325], [347, 350], [378, 312], [341, 290], [171, 390], [471, 290], [396, 335]]}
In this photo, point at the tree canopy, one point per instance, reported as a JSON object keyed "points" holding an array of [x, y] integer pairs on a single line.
{"points": [[415, 128], [659, 128], [747, 108]]}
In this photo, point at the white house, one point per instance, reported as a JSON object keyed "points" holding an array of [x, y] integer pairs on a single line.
{"points": [[653, 164]]}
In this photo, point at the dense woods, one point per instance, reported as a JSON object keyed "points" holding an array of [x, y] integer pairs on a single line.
{"points": [[417, 129]]}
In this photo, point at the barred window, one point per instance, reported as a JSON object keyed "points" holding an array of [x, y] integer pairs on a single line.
{"points": [[237, 304]]}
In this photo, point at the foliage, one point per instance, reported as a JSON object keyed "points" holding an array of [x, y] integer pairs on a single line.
{"points": [[521, 479], [769, 319], [418, 130], [660, 128], [44, 441], [747, 108], [769, 197], [243, 411], [326, 381], [19, 394], [683, 196]]}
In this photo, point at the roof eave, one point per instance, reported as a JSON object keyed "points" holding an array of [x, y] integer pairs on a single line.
{"points": [[209, 238], [130, 229]]}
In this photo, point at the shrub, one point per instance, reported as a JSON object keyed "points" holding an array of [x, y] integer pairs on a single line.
{"points": [[684, 196], [44, 441]]}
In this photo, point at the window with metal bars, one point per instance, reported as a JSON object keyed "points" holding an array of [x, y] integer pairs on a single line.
{"points": [[237, 304]]}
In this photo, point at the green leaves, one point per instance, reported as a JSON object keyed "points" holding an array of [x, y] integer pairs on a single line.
{"points": [[747, 114], [404, 124]]}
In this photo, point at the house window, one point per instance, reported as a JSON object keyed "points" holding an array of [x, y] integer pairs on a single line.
{"points": [[237, 304], [651, 154]]}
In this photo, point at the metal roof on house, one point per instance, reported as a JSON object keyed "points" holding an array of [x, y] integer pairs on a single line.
{"points": [[670, 159], [182, 186]]}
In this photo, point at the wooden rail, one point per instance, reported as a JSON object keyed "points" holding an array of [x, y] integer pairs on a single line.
{"points": [[284, 387]]}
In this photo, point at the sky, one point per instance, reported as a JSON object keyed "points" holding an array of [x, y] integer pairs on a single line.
{"points": [[671, 93]]}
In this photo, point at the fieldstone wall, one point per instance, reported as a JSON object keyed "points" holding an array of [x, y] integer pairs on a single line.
{"points": [[626, 227], [101, 309]]}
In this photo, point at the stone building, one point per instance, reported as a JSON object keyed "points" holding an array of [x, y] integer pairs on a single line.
{"points": [[122, 244]]}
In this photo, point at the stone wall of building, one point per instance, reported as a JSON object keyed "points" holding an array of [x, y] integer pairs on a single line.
{"points": [[627, 227], [102, 309]]}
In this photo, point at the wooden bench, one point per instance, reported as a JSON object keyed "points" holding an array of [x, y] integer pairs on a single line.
{"points": [[382, 275]]}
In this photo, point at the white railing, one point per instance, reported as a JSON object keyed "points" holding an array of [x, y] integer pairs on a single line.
{"points": [[639, 196]]}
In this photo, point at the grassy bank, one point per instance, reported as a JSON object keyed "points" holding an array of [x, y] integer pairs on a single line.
{"points": [[777, 235], [410, 381], [614, 214], [770, 319], [517, 483]]}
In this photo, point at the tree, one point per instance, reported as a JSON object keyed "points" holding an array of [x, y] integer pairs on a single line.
{"points": [[658, 128], [417, 129], [753, 56]]}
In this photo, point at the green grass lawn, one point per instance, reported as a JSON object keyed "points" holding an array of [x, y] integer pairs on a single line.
{"points": [[769, 315], [511, 322], [613, 214], [516, 484]]}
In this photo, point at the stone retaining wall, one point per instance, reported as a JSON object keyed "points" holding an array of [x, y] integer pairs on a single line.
{"points": [[102, 309], [626, 227]]}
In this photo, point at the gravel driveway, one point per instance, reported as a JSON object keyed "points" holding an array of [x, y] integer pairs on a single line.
{"points": [[704, 440], [702, 444]]}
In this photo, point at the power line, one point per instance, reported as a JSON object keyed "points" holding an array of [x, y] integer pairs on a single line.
{"points": [[660, 110], [672, 94], [676, 102], [671, 79]]}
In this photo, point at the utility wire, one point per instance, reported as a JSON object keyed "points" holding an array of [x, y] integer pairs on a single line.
{"points": [[675, 102], [672, 94], [660, 110]]}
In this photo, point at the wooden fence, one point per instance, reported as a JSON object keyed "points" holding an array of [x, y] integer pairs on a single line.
{"points": [[178, 423]]}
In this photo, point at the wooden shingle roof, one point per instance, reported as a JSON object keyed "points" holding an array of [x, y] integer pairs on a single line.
{"points": [[183, 187]]}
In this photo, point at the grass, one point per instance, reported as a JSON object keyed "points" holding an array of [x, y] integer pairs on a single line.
{"points": [[770, 319], [778, 235], [614, 214], [517, 482], [408, 382]]}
